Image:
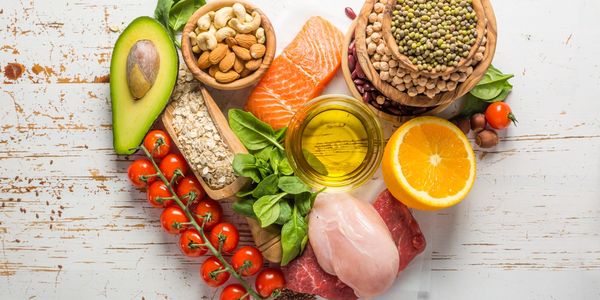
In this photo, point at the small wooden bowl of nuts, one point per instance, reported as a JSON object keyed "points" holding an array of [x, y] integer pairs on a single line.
{"points": [[228, 44]]}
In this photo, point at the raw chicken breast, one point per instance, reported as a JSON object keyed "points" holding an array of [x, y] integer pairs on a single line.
{"points": [[351, 241]]}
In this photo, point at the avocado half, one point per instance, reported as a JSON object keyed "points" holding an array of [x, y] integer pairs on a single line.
{"points": [[132, 118]]}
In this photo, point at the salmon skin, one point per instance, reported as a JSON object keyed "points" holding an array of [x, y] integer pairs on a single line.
{"points": [[298, 74]]}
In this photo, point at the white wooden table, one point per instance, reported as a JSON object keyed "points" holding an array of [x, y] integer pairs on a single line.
{"points": [[71, 227]]}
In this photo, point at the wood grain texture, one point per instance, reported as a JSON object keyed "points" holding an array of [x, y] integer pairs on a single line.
{"points": [[72, 227], [191, 60]]}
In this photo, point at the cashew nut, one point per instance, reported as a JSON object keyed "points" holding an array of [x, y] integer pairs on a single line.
{"points": [[207, 41], [260, 35], [247, 18], [204, 21], [223, 33], [246, 27], [239, 10], [222, 16]]}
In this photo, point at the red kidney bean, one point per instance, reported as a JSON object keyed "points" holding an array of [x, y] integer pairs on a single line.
{"points": [[359, 81], [367, 97], [351, 62], [350, 13]]}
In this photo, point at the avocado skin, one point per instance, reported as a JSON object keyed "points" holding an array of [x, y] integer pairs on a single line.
{"points": [[133, 118]]}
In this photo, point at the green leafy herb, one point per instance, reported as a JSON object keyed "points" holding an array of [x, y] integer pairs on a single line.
{"points": [[267, 186], [244, 207], [252, 132], [275, 159], [161, 14], [304, 202], [181, 11], [245, 165], [494, 87], [285, 213], [267, 209], [294, 236], [292, 185], [284, 167], [280, 134]]}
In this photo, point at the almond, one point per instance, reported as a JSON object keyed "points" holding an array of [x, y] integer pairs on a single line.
{"points": [[238, 65], [230, 41], [227, 62], [245, 40], [203, 62], [226, 77], [213, 70], [245, 72], [253, 64], [257, 51], [218, 53], [242, 53]]}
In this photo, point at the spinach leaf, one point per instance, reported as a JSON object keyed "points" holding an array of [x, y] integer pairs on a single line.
{"points": [[275, 158], [244, 207], [284, 167], [294, 236], [285, 213], [292, 185], [304, 202], [243, 194], [245, 165], [280, 134], [182, 11], [492, 85], [268, 186], [267, 209], [161, 14], [314, 162], [252, 132], [487, 91], [265, 153], [473, 105]]}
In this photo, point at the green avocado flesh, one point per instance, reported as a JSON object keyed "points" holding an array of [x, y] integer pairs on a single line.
{"points": [[133, 118]]}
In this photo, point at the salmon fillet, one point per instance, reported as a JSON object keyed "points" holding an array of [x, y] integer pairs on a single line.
{"points": [[299, 74]]}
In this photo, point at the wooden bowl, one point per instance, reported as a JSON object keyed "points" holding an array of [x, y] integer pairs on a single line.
{"points": [[228, 136], [395, 119], [390, 40], [191, 60], [422, 100]]}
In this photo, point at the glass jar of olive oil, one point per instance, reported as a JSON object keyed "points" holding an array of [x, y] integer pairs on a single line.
{"points": [[334, 141]]}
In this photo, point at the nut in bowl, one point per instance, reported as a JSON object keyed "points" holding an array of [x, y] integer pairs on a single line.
{"points": [[228, 44]]}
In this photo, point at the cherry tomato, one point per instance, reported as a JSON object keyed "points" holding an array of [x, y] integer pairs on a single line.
{"points": [[247, 260], [158, 143], [172, 218], [171, 163], [268, 281], [188, 185], [190, 243], [228, 233], [499, 115], [213, 272], [156, 191], [205, 208], [139, 171], [234, 292]]}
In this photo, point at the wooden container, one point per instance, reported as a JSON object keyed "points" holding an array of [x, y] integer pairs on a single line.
{"points": [[191, 60], [228, 136], [390, 40], [444, 98], [395, 119]]}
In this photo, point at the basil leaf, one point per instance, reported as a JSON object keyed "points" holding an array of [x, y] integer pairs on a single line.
{"points": [[268, 186], [314, 162], [244, 207], [473, 106], [292, 185], [284, 167], [252, 132], [182, 11], [294, 236], [267, 209], [245, 165], [285, 213]]}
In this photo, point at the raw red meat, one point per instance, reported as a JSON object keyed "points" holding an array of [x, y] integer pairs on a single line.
{"points": [[403, 226], [304, 275]]}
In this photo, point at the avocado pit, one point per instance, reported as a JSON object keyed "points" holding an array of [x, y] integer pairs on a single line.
{"points": [[143, 64]]}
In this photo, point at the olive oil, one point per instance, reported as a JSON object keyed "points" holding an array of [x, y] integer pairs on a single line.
{"points": [[337, 139], [334, 142]]}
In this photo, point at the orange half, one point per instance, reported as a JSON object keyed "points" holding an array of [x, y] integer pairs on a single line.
{"points": [[429, 164]]}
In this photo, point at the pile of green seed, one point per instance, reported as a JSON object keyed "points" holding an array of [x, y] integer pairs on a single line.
{"points": [[434, 34]]}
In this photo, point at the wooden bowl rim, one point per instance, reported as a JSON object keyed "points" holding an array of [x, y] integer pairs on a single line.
{"points": [[190, 58], [235, 146], [422, 100], [390, 40]]}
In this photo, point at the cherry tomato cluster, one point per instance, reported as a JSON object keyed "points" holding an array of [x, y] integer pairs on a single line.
{"points": [[208, 213]]}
